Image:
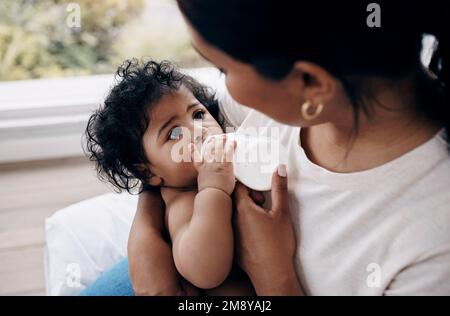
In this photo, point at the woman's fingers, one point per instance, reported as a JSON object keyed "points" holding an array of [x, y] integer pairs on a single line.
{"points": [[241, 192], [244, 201], [258, 197], [280, 194]]}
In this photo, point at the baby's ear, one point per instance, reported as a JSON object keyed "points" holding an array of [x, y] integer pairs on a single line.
{"points": [[155, 181]]}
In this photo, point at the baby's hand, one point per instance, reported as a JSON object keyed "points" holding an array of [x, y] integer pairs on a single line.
{"points": [[215, 164]]}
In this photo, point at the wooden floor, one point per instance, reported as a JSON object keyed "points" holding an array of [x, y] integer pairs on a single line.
{"points": [[30, 192]]}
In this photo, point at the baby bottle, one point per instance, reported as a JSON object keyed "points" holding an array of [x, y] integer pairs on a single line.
{"points": [[255, 159]]}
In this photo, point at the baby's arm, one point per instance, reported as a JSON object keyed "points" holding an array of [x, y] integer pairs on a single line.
{"points": [[203, 244]]}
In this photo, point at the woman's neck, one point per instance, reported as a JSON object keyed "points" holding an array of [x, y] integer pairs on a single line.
{"points": [[391, 131]]}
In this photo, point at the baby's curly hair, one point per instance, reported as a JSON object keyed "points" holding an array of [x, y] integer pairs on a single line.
{"points": [[113, 137]]}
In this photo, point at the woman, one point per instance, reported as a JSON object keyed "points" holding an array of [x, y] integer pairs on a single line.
{"points": [[367, 192]]}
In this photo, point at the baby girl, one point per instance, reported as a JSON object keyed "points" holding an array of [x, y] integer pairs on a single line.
{"points": [[147, 123]]}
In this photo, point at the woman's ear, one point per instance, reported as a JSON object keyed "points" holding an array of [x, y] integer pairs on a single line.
{"points": [[313, 83]]}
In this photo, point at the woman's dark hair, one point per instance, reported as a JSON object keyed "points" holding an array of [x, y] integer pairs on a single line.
{"points": [[114, 132], [272, 35]]}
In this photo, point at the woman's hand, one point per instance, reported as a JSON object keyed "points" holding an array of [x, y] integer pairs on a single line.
{"points": [[265, 242], [152, 271]]}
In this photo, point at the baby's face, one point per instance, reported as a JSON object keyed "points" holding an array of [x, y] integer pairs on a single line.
{"points": [[174, 121]]}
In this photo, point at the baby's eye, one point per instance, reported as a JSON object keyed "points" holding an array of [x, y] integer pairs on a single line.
{"points": [[175, 133], [199, 115]]}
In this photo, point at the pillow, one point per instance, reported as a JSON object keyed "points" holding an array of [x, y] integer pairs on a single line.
{"points": [[86, 239]]}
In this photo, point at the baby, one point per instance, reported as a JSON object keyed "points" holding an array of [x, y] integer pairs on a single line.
{"points": [[148, 122]]}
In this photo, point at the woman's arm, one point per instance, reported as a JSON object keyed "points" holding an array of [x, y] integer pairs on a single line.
{"points": [[265, 240], [151, 267]]}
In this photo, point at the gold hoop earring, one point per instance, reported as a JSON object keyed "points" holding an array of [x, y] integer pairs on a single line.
{"points": [[306, 107]]}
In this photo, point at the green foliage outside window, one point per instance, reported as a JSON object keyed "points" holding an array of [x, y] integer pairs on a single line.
{"points": [[36, 39]]}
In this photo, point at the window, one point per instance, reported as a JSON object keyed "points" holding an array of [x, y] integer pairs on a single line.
{"points": [[56, 38], [73, 48]]}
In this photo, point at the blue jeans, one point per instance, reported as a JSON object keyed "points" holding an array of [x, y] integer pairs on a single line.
{"points": [[114, 282]]}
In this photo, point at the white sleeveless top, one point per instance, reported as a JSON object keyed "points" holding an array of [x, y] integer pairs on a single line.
{"points": [[384, 231]]}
